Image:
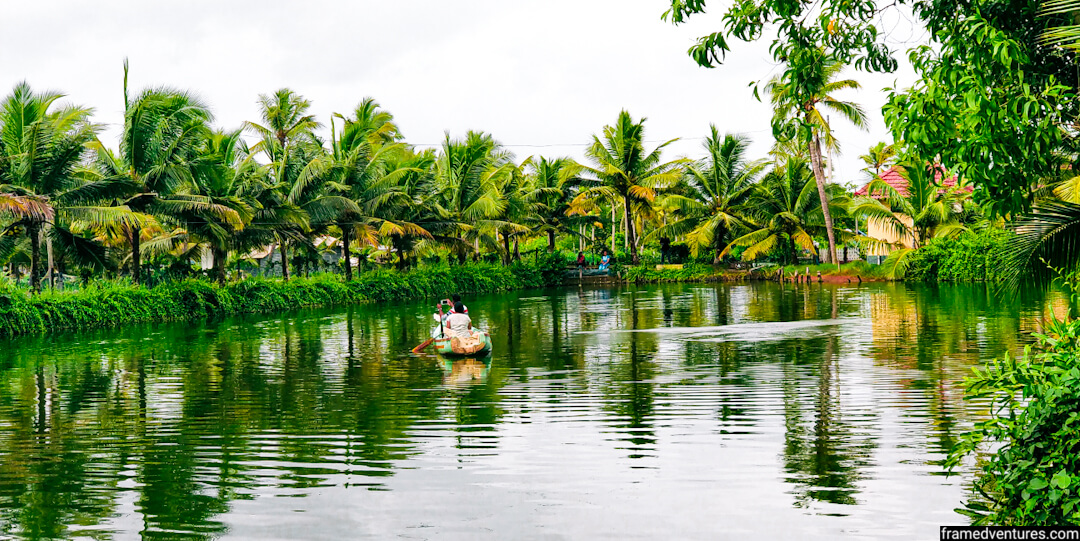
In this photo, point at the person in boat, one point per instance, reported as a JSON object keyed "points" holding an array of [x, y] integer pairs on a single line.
{"points": [[581, 260], [605, 261], [458, 323], [452, 302]]}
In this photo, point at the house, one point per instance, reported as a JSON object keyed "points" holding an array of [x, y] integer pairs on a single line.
{"points": [[878, 229]]}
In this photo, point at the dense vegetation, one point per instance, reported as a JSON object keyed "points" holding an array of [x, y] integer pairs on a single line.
{"points": [[995, 105], [105, 305], [179, 198], [1033, 475]]}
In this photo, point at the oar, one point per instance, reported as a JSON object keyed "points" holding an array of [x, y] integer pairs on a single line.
{"points": [[421, 347]]}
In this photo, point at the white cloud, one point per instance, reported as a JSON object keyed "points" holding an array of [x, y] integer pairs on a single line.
{"points": [[541, 76]]}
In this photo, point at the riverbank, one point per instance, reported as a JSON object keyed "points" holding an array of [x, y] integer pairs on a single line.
{"points": [[112, 305], [854, 272]]}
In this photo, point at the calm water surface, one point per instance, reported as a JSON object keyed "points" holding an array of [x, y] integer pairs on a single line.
{"points": [[674, 412]]}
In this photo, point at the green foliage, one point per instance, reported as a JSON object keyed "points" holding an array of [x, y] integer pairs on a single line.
{"points": [[692, 272], [1034, 476], [113, 305], [990, 100], [854, 268], [969, 257]]}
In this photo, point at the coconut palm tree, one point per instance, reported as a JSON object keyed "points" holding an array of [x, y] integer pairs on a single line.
{"points": [[712, 200], [41, 146], [358, 183], [784, 213], [926, 210], [804, 98], [470, 175], [552, 187], [878, 157], [1044, 246], [623, 172], [287, 140], [150, 179], [220, 173]]}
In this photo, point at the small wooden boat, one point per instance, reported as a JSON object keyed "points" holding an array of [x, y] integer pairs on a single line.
{"points": [[442, 346]]}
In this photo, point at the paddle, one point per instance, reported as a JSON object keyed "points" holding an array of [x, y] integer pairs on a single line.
{"points": [[421, 347], [428, 342]]}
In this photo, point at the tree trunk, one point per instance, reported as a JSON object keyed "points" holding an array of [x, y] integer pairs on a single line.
{"points": [[52, 262], [631, 241], [718, 242], [220, 257], [613, 229], [33, 230], [284, 262], [345, 233], [819, 176], [551, 241], [136, 240], [517, 252], [506, 249]]}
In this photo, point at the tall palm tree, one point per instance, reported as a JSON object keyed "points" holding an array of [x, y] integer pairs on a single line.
{"points": [[360, 183], [624, 172], [805, 100], [288, 141], [927, 210], [784, 213], [551, 189], [151, 177], [41, 146], [712, 199], [221, 174], [469, 176]]}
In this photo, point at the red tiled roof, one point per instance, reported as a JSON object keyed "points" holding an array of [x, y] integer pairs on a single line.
{"points": [[893, 178]]}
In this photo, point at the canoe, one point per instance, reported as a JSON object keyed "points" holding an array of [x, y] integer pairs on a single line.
{"points": [[442, 347]]}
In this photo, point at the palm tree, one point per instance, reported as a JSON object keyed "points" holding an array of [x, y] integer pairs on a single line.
{"points": [[360, 184], [151, 177], [784, 213], [1044, 246], [288, 141], [625, 173], [878, 157], [221, 174], [803, 99], [712, 201], [40, 148], [469, 176], [551, 190], [925, 211]]}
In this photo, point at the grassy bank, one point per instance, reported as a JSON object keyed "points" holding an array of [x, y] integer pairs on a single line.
{"points": [[192, 300], [690, 272]]}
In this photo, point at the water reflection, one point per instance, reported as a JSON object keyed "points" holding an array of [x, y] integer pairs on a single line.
{"points": [[786, 401]]}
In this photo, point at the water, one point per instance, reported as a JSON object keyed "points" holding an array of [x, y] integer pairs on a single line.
{"points": [[692, 411]]}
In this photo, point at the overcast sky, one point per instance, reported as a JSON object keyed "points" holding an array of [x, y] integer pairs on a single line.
{"points": [[541, 76]]}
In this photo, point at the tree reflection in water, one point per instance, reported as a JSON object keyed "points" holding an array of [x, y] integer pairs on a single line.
{"points": [[162, 430]]}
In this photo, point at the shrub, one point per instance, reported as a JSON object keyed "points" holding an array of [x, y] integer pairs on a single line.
{"points": [[112, 305], [968, 257], [1032, 477]]}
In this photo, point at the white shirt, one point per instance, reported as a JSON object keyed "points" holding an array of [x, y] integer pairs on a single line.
{"points": [[458, 325]]}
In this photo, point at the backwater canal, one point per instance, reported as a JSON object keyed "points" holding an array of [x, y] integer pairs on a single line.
{"points": [[683, 411]]}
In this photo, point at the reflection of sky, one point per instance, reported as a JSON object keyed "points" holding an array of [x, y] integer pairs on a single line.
{"points": [[679, 428]]}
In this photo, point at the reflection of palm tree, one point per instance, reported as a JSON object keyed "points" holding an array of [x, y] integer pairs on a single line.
{"points": [[825, 460]]}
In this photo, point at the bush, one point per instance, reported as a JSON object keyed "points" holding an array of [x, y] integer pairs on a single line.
{"points": [[1032, 476], [113, 305], [969, 257], [691, 272]]}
